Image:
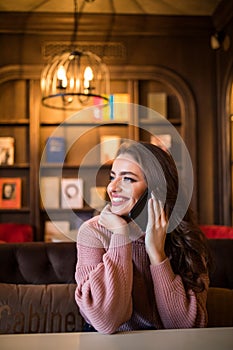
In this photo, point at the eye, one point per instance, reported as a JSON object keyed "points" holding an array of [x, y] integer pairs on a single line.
{"points": [[128, 179], [111, 177]]}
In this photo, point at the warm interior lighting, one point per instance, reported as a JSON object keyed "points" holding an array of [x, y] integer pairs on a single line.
{"points": [[220, 40], [88, 76], [61, 76], [75, 79]]}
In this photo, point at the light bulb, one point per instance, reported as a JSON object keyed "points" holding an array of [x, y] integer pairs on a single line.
{"points": [[61, 73], [71, 83], [88, 74]]}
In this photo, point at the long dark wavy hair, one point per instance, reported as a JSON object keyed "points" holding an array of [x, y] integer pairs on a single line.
{"points": [[185, 245]]}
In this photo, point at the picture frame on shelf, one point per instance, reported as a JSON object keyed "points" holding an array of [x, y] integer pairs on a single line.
{"points": [[50, 192], [72, 193], [7, 150], [10, 193]]}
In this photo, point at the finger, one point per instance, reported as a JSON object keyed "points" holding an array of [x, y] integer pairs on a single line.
{"points": [[156, 212], [162, 215], [151, 216]]}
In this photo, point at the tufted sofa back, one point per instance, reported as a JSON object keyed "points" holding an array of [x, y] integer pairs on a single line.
{"points": [[221, 274], [37, 263], [48, 263]]}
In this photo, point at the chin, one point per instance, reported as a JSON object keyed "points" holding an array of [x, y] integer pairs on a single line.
{"points": [[120, 212]]}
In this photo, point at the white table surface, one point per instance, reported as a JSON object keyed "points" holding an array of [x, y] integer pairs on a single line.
{"points": [[182, 339]]}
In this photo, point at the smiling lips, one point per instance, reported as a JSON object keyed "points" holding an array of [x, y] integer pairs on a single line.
{"points": [[118, 200]]}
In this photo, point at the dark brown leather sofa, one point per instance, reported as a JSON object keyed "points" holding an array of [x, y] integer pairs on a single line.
{"points": [[37, 287]]}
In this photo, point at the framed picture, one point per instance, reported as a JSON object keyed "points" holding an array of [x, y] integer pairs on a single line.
{"points": [[10, 193], [72, 193], [50, 192], [7, 150]]}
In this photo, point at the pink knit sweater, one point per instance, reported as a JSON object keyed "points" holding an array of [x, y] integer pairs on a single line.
{"points": [[118, 289]]}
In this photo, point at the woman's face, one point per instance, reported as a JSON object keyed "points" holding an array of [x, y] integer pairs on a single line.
{"points": [[127, 184]]}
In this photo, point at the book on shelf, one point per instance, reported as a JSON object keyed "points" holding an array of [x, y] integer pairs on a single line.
{"points": [[72, 193], [98, 197], [7, 150], [158, 102], [50, 192], [119, 107], [10, 193], [101, 110], [109, 145], [56, 231], [55, 149]]}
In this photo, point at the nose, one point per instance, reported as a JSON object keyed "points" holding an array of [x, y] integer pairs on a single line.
{"points": [[115, 185]]}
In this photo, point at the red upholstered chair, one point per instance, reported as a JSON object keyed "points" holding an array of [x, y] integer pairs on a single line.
{"points": [[217, 231], [12, 232]]}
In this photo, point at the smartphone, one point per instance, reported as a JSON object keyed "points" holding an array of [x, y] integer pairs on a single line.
{"points": [[139, 212]]}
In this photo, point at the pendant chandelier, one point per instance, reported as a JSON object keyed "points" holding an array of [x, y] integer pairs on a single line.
{"points": [[75, 79]]}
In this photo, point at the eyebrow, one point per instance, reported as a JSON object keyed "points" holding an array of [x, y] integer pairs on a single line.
{"points": [[125, 173]]}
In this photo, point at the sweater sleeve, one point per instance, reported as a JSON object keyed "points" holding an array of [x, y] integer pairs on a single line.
{"points": [[104, 281], [177, 308]]}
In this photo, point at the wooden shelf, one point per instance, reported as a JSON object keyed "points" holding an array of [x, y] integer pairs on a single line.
{"points": [[15, 122], [15, 166], [145, 121], [104, 123], [14, 210]]}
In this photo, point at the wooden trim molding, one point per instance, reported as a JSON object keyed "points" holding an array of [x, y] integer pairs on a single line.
{"points": [[99, 24], [12, 72], [224, 181]]}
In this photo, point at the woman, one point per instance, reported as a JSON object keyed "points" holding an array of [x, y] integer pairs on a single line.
{"points": [[132, 277]]}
